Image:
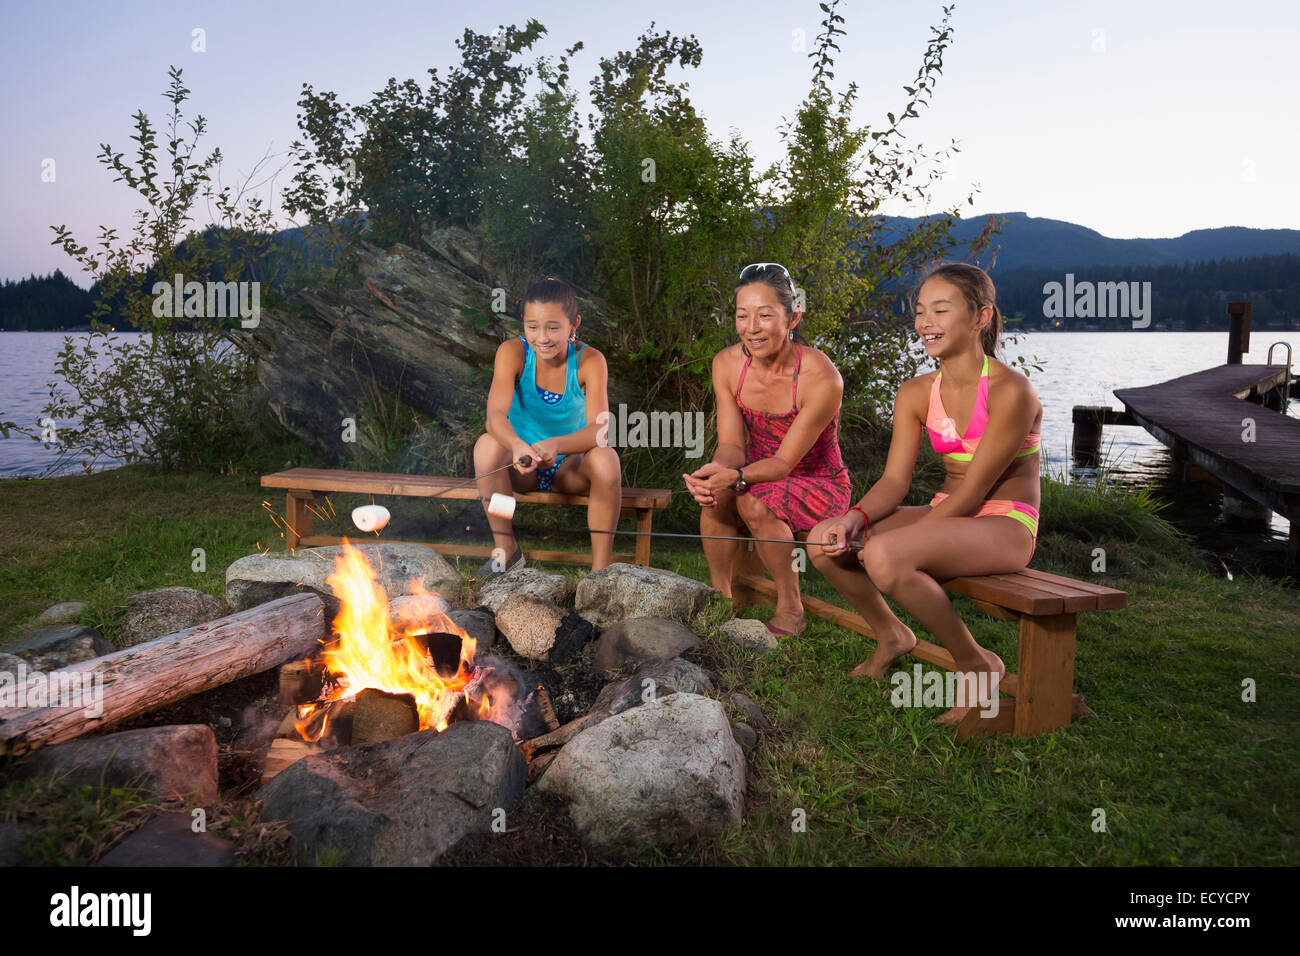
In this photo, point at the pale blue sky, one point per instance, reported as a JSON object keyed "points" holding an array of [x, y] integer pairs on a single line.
{"points": [[1185, 118]]}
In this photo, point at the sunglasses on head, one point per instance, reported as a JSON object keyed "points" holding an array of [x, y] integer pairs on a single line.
{"points": [[755, 267]]}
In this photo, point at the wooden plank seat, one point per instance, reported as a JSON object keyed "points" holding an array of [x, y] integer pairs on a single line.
{"points": [[1047, 607], [303, 485]]}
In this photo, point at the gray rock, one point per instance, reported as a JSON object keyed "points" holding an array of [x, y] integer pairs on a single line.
{"points": [[416, 610], [753, 635], [623, 591], [66, 613], [9, 665], [175, 762], [169, 840], [49, 648], [163, 611], [477, 624], [652, 680], [746, 736], [530, 624], [642, 639], [663, 773], [9, 855], [259, 578], [403, 802], [555, 588], [749, 707]]}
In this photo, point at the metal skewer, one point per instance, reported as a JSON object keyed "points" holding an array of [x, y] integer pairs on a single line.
{"points": [[524, 460], [856, 545]]}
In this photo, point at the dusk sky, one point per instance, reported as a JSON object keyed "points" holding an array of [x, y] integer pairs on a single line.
{"points": [[1134, 119]]}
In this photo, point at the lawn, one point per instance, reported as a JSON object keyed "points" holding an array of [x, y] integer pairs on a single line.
{"points": [[1173, 768]]}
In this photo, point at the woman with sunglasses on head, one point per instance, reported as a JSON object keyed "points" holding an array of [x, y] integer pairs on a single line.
{"points": [[984, 418], [777, 470]]}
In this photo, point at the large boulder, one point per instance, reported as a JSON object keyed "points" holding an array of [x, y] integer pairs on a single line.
{"points": [[49, 648], [259, 578], [641, 639], [555, 588], [404, 802], [174, 762], [164, 611], [662, 773], [415, 327], [415, 611], [621, 591]]}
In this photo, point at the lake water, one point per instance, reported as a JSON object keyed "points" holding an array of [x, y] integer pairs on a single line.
{"points": [[1079, 368]]}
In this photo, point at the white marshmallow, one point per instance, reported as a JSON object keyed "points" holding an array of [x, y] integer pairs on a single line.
{"points": [[370, 517], [501, 506]]}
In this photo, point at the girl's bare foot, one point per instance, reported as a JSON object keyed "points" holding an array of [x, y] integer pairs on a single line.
{"points": [[987, 688], [889, 648]]}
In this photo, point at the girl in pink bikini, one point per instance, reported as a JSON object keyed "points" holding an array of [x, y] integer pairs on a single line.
{"points": [[778, 469], [984, 418]]}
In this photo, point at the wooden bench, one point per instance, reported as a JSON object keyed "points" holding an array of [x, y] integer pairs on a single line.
{"points": [[1047, 607], [302, 485]]}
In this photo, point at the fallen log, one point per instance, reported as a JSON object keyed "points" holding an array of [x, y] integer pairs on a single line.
{"points": [[118, 686]]}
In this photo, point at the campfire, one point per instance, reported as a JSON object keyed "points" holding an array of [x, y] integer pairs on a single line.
{"points": [[424, 657], [386, 674]]}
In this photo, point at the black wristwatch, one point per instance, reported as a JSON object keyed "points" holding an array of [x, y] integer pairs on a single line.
{"points": [[741, 486]]}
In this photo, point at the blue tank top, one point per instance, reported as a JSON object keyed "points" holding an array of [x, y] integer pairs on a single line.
{"points": [[534, 417]]}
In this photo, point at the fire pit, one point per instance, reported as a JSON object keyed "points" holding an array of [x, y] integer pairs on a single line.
{"points": [[384, 675]]}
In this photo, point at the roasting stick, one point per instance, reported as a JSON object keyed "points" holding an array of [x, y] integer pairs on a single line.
{"points": [[373, 517], [856, 545]]}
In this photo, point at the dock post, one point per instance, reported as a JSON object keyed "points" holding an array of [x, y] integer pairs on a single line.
{"points": [[1238, 331], [1085, 446], [1242, 510]]}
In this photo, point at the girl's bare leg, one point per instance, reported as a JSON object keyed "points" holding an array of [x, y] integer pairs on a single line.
{"points": [[908, 564], [490, 454], [846, 575], [598, 475]]}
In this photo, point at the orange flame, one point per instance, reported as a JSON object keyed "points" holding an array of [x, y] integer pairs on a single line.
{"points": [[372, 651]]}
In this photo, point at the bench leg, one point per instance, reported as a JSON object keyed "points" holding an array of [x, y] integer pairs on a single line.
{"points": [[298, 517], [643, 519], [1044, 697]]}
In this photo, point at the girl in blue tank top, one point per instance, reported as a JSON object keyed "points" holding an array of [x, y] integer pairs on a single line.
{"points": [[548, 391]]}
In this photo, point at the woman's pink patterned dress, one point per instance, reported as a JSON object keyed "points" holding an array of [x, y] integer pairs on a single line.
{"points": [[818, 486]]}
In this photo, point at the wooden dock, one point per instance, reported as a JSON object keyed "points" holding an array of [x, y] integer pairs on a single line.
{"points": [[1229, 421], [1208, 419]]}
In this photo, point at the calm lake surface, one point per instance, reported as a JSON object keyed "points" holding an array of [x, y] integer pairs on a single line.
{"points": [[1079, 368]]}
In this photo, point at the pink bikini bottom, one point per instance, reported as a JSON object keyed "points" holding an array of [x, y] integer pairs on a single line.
{"points": [[1027, 515]]}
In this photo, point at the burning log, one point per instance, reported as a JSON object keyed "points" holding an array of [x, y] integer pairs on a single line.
{"points": [[382, 716], [300, 681], [159, 672]]}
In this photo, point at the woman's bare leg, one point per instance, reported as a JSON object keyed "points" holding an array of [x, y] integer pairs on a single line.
{"points": [[723, 519], [908, 564], [598, 475], [777, 558], [846, 575]]}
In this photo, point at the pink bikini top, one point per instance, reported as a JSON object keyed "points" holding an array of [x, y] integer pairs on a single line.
{"points": [[943, 430]]}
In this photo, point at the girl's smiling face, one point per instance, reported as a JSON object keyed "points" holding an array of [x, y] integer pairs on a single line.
{"points": [[547, 329], [943, 318], [761, 319]]}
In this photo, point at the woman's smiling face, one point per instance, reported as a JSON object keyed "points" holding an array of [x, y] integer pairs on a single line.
{"points": [[761, 319]]}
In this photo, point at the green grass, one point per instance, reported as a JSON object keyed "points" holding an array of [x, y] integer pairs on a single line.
{"points": [[1184, 770]]}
